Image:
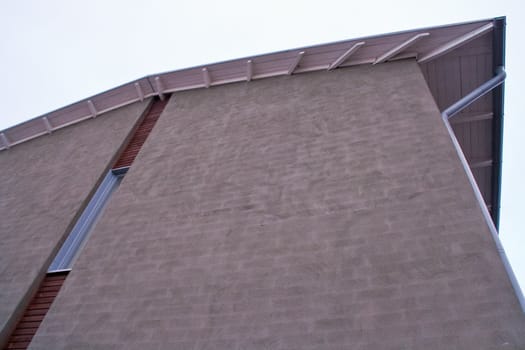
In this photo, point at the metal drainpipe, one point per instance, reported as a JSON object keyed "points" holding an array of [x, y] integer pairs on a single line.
{"points": [[449, 112]]}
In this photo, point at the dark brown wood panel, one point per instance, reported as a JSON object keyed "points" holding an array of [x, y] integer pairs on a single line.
{"points": [[453, 76]]}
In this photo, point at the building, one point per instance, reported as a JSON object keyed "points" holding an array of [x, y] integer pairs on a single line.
{"points": [[315, 198]]}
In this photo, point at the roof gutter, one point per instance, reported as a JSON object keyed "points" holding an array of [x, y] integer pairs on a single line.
{"points": [[486, 87]]}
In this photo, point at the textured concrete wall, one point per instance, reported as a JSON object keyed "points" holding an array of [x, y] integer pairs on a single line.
{"points": [[321, 211], [43, 183]]}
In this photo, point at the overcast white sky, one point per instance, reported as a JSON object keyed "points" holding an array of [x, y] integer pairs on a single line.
{"points": [[58, 52]]}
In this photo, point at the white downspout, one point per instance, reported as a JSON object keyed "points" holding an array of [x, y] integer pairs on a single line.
{"points": [[449, 112]]}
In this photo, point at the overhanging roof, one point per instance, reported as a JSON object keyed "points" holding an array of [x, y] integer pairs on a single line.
{"points": [[423, 44], [454, 58]]}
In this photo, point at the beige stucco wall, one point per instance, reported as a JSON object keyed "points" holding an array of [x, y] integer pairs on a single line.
{"points": [[321, 211], [43, 184]]}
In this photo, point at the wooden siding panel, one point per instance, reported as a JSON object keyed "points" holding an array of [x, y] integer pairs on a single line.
{"points": [[429, 72], [462, 132], [270, 67], [450, 91], [451, 72], [483, 44], [475, 71], [116, 97], [176, 80], [453, 76], [69, 114], [479, 46], [26, 130], [481, 139], [483, 176]]}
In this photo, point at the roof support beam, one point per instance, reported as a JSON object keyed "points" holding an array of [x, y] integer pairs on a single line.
{"points": [[457, 42], [471, 118], [5, 141], [481, 164], [206, 77], [92, 108], [249, 70], [47, 124], [159, 87], [295, 62], [344, 56], [139, 91], [401, 47]]}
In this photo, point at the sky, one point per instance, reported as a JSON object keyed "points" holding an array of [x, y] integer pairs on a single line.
{"points": [[62, 51]]}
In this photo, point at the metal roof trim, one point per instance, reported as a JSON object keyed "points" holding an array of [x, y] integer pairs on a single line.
{"points": [[323, 58]]}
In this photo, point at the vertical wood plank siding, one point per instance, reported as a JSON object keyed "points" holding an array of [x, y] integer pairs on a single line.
{"points": [[141, 134], [36, 311]]}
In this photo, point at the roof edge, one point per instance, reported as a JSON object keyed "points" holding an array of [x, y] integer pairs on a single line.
{"points": [[153, 85], [498, 59]]}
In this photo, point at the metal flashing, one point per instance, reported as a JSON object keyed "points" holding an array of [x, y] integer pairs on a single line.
{"points": [[498, 59], [84, 225], [370, 50], [120, 171]]}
